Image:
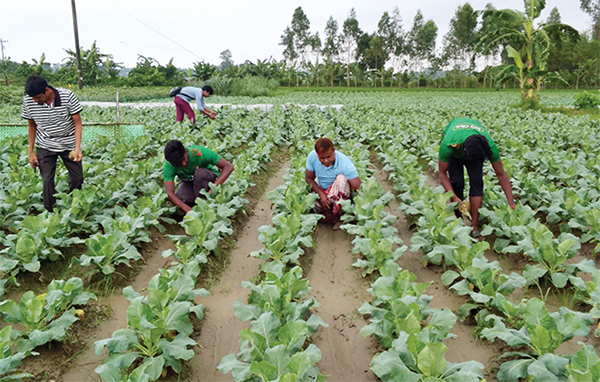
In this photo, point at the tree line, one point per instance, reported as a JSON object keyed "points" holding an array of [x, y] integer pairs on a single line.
{"points": [[483, 48]]}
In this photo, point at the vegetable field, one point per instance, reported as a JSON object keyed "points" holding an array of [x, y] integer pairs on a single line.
{"points": [[117, 285]]}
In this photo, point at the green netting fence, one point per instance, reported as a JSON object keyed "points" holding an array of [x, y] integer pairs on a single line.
{"points": [[116, 131]]}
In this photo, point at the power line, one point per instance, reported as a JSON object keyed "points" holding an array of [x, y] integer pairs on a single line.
{"points": [[168, 38]]}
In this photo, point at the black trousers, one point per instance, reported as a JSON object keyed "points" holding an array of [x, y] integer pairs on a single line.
{"points": [[457, 177], [189, 191], [47, 160]]}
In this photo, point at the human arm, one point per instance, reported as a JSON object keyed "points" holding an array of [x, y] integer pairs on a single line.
{"points": [[310, 177], [78, 131], [445, 180], [225, 169], [354, 184], [170, 189], [209, 113], [33, 160], [504, 182], [199, 96]]}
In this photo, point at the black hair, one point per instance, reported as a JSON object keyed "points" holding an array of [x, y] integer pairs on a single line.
{"points": [[35, 85], [477, 148], [175, 152], [322, 145], [209, 89]]}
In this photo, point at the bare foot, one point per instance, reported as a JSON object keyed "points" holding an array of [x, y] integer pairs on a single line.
{"points": [[336, 226]]}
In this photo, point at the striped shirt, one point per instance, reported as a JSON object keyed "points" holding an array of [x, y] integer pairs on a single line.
{"points": [[55, 128]]}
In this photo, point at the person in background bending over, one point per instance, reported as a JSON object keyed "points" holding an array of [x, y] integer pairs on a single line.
{"points": [[465, 143], [186, 95], [195, 167], [337, 178], [55, 129]]}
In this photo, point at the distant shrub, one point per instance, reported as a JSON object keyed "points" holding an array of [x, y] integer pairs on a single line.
{"points": [[530, 104], [11, 95], [222, 85], [253, 86], [587, 101]]}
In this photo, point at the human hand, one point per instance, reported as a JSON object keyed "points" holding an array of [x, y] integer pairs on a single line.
{"points": [[324, 201], [33, 160], [76, 155], [465, 208], [512, 204]]}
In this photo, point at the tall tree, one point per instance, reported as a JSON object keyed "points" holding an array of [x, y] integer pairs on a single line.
{"points": [[314, 44], [460, 41], [375, 56], [387, 31], [592, 8], [351, 32], [554, 17], [226, 61], [331, 47], [297, 40], [398, 43], [287, 40], [421, 40], [301, 30]]}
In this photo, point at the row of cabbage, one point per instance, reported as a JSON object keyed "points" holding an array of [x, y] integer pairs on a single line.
{"points": [[277, 345], [400, 316]]}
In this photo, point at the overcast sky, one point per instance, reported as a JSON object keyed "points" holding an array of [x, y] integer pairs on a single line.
{"points": [[197, 30]]}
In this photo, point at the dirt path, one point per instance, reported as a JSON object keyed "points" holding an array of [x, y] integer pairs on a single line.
{"points": [[82, 367], [341, 290], [220, 327]]}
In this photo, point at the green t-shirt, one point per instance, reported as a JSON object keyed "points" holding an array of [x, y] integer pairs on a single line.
{"points": [[455, 134], [199, 157]]}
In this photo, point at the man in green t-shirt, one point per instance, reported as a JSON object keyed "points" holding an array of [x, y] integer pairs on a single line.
{"points": [[465, 143], [195, 167]]}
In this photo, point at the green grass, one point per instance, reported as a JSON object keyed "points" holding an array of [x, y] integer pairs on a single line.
{"points": [[571, 112]]}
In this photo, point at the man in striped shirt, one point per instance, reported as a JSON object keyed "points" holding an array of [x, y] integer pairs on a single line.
{"points": [[55, 131]]}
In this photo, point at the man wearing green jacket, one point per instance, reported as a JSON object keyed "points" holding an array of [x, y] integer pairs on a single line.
{"points": [[466, 144]]}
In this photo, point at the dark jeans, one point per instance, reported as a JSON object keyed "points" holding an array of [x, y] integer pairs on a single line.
{"points": [[47, 160], [189, 191], [457, 177]]}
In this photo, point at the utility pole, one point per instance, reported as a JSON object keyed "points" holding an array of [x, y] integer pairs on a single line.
{"points": [[2, 49], [77, 53]]}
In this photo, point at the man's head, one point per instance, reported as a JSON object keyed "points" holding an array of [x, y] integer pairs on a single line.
{"points": [[477, 148], [176, 153], [325, 151], [207, 91], [37, 88]]}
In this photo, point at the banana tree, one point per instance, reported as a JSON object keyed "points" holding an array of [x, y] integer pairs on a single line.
{"points": [[527, 43]]}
